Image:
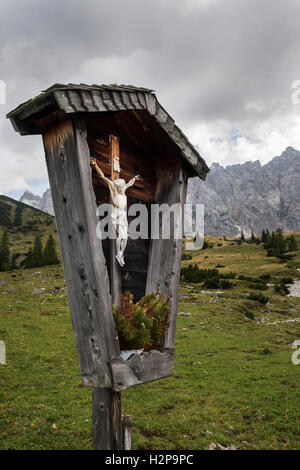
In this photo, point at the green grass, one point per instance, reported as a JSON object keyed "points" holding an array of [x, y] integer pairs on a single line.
{"points": [[234, 382]]}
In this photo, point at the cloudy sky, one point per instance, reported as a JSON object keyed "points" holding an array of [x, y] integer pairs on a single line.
{"points": [[222, 68]]}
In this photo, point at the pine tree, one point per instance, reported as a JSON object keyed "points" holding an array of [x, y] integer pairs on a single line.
{"points": [[253, 239], [49, 254], [29, 259], [4, 252], [273, 240], [279, 241], [292, 244], [18, 216], [263, 236], [37, 254], [242, 236], [268, 241]]}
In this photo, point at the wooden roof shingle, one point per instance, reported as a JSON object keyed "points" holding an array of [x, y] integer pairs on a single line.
{"points": [[77, 98]]}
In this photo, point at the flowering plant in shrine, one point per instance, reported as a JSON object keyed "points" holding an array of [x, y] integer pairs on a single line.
{"points": [[143, 324]]}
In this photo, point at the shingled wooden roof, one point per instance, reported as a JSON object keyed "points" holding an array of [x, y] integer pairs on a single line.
{"points": [[83, 98]]}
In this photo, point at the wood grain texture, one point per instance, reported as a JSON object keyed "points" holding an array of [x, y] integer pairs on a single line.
{"points": [[115, 269], [141, 368], [68, 163], [126, 432], [107, 419], [165, 254]]}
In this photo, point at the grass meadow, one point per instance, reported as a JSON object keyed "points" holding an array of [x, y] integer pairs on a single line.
{"points": [[233, 384]]}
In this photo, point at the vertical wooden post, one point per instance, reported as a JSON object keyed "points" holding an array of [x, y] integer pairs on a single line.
{"points": [[115, 271], [68, 161], [107, 419], [126, 432], [165, 255], [107, 410]]}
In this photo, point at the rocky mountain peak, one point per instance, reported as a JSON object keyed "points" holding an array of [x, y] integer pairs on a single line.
{"points": [[43, 203], [250, 196], [245, 196]]}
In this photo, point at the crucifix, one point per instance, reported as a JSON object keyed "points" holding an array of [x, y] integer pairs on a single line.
{"points": [[117, 189]]}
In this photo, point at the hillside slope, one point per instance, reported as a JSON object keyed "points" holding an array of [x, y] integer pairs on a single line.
{"points": [[23, 223]]}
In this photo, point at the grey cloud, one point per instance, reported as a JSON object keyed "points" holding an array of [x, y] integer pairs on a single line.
{"points": [[230, 60]]}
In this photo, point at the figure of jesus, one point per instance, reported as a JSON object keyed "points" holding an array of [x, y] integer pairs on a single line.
{"points": [[117, 189]]}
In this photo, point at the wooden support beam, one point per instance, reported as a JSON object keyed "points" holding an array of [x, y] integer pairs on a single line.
{"points": [[141, 368], [165, 255], [115, 270], [68, 162], [107, 419], [114, 156], [126, 432]]}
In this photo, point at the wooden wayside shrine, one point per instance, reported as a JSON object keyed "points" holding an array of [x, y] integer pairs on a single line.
{"points": [[128, 132]]}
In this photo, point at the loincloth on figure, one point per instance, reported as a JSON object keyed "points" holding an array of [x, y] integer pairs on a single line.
{"points": [[120, 222]]}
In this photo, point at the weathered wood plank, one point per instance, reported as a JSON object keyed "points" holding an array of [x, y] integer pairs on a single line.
{"points": [[165, 254], [107, 419], [126, 432], [115, 270], [141, 368], [68, 163]]}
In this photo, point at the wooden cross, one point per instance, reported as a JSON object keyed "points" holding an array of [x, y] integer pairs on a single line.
{"points": [[115, 271], [114, 156]]}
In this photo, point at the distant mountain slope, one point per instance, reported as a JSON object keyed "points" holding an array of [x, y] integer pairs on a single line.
{"points": [[250, 196], [23, 223], [43, 203], [31, 199], [239, 197]]}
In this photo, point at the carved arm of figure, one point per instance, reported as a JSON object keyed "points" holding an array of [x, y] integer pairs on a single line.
{"points": [[101, 174], [132, 181]]}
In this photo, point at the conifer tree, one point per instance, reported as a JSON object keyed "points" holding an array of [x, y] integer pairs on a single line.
{"points": [[273, 242], [279, 241], [49, 254], [268, 241], [4, 252], [242, 236], [29, 259], [37, 254], [263, 236], [292, 244], [253, 239]]}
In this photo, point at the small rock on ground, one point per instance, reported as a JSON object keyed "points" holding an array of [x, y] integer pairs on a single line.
{"points": [[39, 291]]}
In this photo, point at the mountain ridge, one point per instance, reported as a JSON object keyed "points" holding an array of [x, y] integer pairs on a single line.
{"points": [[244, 196], [250, 196]]}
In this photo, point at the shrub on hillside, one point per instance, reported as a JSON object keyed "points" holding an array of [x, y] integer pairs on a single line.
{"points": [[192, 273], [212, 283], [281, 289], [228, 275], [257, 296], [250, 315], [265, 277], [185, 256], [258, 286], [225, 284]]}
